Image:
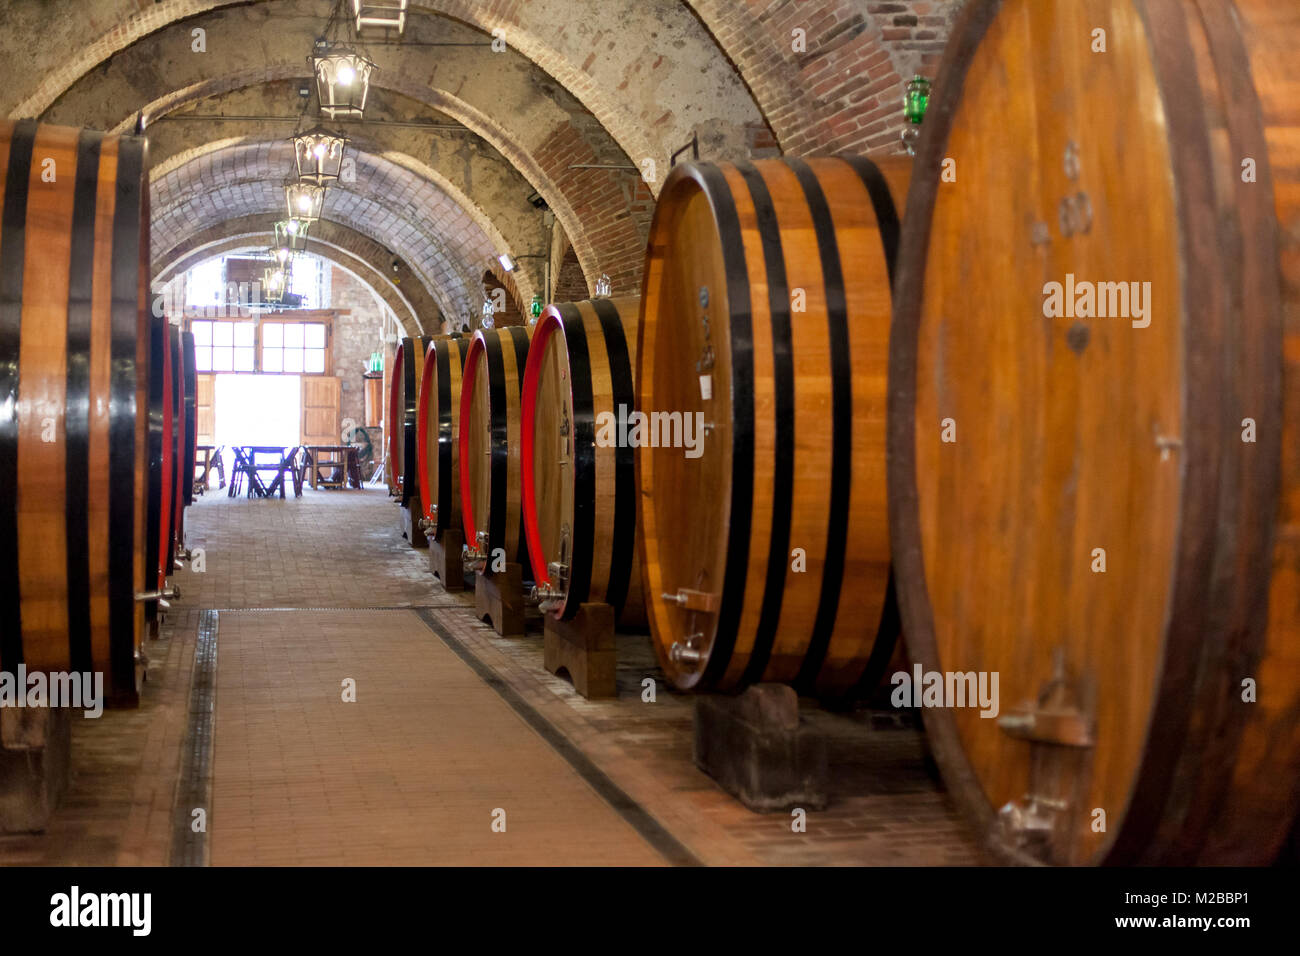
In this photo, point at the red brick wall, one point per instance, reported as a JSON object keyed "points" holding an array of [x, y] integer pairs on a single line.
{"points": [[614, 205], [570, 285], [843, 93]]}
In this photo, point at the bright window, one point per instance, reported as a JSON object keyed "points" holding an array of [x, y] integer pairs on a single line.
{"points": [[206, 284], [294, 347], [224, 346]]}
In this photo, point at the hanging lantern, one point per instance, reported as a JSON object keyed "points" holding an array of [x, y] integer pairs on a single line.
{"points": [[603, 286], [291, 234], [319, 155], [277, 280], [915, 101], [342, 81], [281, 254], [304, 201], [385, 14]]}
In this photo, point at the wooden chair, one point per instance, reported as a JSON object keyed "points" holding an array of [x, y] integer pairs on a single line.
{"points": [[288, 467]]}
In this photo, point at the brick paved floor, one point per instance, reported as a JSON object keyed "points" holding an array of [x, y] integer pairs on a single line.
{"points": [[412, 771]]}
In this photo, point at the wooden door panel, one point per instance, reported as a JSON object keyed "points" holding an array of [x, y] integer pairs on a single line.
{"points": [[205, 408], [320, 410]]}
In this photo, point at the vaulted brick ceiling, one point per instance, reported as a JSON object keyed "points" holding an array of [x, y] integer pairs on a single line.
{"points": [[619, 83]]}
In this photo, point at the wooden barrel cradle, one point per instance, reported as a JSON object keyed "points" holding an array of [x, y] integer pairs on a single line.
{"points": [[408, 368], [579, 495], [75, 337], [765, 318], [1159, 434], [437, 430], [490, 454]]}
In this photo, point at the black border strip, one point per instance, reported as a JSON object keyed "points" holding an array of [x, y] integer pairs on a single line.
{"points": [[13, 259], [582, 548], [635, 815], [837, 320], [500, 444], [194, 789], [127, 225], [76, 403], [623, 546], [769, 230], [741, 323]]}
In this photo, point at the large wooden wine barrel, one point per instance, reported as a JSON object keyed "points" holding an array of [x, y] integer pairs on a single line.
{"points": [[75, 339], [437, 430], [765, 326], [1095, 486], [579, 493], [490, 454], [408, 368]]}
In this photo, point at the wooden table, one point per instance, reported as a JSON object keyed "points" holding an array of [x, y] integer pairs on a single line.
{"points": [[246, 457], [208, 457], [343, 462]]}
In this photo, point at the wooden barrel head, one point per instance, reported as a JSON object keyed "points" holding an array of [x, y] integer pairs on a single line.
{"points": [[490, 482], [765, 326], [579, 478], [1085, 315], [438, 430]]}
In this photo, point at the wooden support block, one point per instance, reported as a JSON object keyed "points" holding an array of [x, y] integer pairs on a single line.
{"points": [[499, 599], [34, 761], [446, 561], [411, 513], [758, 749], [584, 647]]}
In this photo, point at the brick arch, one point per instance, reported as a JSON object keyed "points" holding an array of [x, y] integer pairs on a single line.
{"points": [[577, 198], [640, 69], [364, 258], [386, 202], [471, 208], [634, 84]]}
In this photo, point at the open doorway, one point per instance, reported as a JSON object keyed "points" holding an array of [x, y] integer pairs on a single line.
{"points": [[253, 409]]}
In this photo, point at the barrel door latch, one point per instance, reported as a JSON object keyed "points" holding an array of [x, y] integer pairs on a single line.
{"points": [[1060, 731]]}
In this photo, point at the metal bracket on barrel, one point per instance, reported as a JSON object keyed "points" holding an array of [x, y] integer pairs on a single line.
{"points": [[162, 596], [549, 597], [1059, 729], [476, 555], [690, 650]]}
